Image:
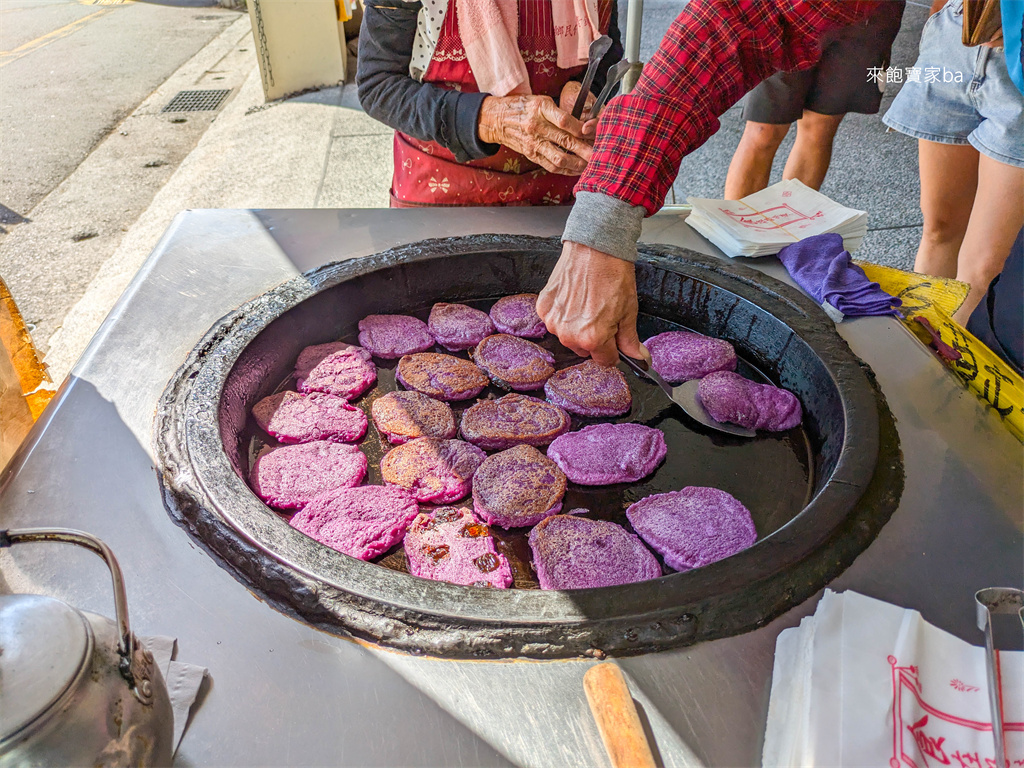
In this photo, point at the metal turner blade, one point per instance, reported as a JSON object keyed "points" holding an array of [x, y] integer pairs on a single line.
{"points": [[685, 396]]}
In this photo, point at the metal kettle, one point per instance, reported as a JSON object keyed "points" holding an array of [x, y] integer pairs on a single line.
{"points": [[77, 688]]}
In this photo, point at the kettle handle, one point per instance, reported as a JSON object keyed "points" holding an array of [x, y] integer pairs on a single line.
{"points": [[126, 643]]}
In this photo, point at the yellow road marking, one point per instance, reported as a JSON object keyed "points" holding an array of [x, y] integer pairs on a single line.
{"points": [[6, 57], [104, 2]]}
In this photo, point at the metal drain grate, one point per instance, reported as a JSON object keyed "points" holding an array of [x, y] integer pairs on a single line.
{"points": [[196, 101]]}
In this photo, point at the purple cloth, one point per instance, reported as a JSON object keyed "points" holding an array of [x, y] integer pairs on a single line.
{"points": [[822, 268]]}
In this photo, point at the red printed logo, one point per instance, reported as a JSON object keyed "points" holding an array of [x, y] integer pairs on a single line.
{"points": [[923, 735]]}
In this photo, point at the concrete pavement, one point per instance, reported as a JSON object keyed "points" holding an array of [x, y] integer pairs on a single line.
{"points": [[70, 72], [320, 150]]}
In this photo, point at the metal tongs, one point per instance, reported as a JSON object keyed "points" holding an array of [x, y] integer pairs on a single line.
{"points": [[989, 601], [596, 52], [615, 74], [685, 396]]}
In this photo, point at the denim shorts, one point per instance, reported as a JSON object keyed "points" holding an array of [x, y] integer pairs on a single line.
{"points": [[960, 95]]}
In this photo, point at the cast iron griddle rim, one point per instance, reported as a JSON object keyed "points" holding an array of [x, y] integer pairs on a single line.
{"points": [[403, 594]]}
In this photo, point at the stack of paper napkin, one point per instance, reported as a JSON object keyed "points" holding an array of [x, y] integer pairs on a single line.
{"points": [[765, 222], [863, 682]]}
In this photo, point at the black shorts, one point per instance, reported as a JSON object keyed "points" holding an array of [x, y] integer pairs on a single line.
{"points": [[839, 82]]}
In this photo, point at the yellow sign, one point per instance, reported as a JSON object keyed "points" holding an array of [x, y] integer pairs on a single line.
{"points": [[979, 368]]}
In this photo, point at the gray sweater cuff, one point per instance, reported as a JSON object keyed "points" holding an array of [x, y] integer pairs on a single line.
{"points": [[605, 223]]}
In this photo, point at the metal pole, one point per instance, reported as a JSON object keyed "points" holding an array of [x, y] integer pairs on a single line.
{"points": [[634, 15]]}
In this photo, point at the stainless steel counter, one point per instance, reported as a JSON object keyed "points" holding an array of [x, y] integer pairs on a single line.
{"points": [[282, 693]]}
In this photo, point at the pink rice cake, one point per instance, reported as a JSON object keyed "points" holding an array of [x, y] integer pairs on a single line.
{"points": [[728, 397], [603, 454], [456, 326], [683, 355], [310, 357], [362, 522], [518, 487], [580, 553], [391, 336], [451, 545], [346, 373], [693, 527], [291, 476], [517, 315], [296, 418], [513, 420], [404, 416], [432, 470], [590, 389], [441, 376], [514, 363]]}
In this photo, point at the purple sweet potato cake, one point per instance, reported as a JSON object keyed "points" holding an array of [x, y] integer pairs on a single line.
{"points": [[514, 363], [590, 389], [518, 316], [452, 545], [362, 522], [518, 487], [456, 326], [694, 526], [579, 553], [683, 355], [310, 357], [391, 336], [513, 420], [296, 418], [438, 471], [729, 397], [404, 416], [346, 373], [441, 376], [602, 454], [291, 476]]}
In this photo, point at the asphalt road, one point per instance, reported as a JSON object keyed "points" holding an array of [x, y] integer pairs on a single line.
{"points": [[71, 71]]}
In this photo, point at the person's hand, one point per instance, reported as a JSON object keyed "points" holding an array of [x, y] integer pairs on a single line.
{"points": [[567, 100], [590, 304], [536, 128]]}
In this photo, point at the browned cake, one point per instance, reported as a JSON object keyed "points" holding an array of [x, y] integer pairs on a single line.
{"points": [[513, 420], [441, 376]]}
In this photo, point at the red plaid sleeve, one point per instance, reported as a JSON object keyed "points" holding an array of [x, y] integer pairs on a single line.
{"points": [[714, 52]]}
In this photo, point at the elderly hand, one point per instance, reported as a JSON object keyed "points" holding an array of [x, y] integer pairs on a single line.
{"points": [[536, 128], [567, 100], [590, 304]]}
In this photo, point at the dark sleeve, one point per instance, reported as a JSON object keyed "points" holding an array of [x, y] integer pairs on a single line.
{"points": [[388, 93]]}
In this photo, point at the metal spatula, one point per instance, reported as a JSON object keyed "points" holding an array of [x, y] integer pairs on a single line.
{"points": [[685, 396]]}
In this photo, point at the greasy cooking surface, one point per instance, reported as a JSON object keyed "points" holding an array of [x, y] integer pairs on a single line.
{"points": [[771, 474], [205, 436]]}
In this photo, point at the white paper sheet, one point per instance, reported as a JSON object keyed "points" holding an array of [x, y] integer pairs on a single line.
{"points": [[765, 222], [866, 683]]}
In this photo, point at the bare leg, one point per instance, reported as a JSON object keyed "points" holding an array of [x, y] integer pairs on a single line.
{"points": [[811, 154], [996, 217], [751, 164], [949, 179]]}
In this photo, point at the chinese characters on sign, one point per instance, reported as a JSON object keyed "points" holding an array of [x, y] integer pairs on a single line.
{"points": [[914, 75]]}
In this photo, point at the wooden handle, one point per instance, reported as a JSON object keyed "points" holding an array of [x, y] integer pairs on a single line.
{"points": [[616, 717]]}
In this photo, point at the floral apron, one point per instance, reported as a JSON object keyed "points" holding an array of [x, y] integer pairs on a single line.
{"points": [[426, 174]]}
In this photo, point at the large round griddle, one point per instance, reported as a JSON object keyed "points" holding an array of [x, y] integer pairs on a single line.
{"points": [[818, 494]]}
